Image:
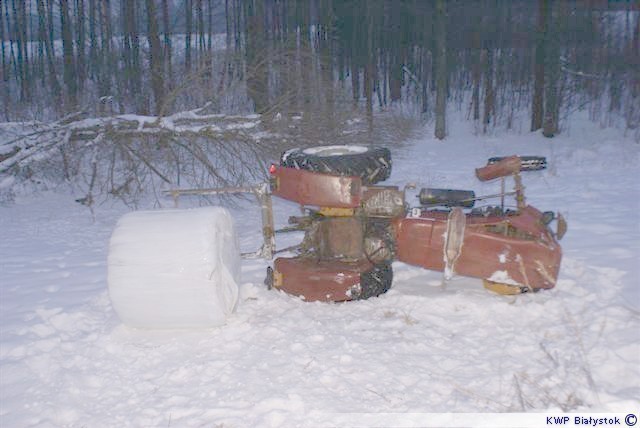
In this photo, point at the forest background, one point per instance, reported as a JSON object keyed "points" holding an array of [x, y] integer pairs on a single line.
{"points": [[167, 88]]}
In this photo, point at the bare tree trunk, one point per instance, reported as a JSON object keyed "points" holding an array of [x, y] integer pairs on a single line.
{"points": [[424, 80], [50, 19], [537, 108], [368, 89], [106, 70], [167, 44], [369, 69], [44, 32], [200, 30], [552, 75], [489, 91], [39, 68], [395, 62], [228, 21], [633, 57], [19, 58], [635, 44], [210, 26], [36, 57], [93, 41], [155, 57], [238, 24], [355, 81], [327, 83], [111, 81], [395, 78], [80, 43], [24, 36], [41, 50], [131, 54], [125, 79], [3, 38], [257, 78], [476, 75], [68, 58], [188, 30], [5, 66], [614, 49], [12, 65], [441, 70]]}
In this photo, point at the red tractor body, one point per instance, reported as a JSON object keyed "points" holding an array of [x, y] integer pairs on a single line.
{"points": [[355, 230], [489, 251]]}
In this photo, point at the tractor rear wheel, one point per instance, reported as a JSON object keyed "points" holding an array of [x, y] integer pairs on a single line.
{"points": [[371, 164]]}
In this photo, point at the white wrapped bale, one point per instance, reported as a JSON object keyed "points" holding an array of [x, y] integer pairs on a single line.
{"points": [[174, 268]]}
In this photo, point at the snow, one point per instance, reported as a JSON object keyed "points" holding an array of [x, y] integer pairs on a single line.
{"points": [[334, 150], [6, 181], [174, 268], [503, 277], [66, 359]]}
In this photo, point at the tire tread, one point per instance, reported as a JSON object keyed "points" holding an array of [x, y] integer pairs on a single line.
{"points": [[372, 166]]}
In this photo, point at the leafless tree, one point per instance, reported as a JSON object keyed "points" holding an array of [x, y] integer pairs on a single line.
{"points": [[537, 108], [441, 70], [155, 56], [71, 84]]}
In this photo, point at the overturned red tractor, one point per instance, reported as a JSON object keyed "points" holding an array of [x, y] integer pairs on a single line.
{"points": [[354, 228]]}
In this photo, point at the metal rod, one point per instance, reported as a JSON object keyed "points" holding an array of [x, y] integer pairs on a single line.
{"points": [[212, 191], [502, 194], [262, 194], [264, 198], [293, 247]]}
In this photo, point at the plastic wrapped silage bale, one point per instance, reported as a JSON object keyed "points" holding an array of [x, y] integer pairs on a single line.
{"points": [[174, 268]]}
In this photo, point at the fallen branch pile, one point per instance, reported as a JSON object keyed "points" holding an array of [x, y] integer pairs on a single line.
{"points": [[125, 156], [36, 141]]}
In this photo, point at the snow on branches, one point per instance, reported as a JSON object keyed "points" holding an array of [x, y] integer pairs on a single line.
{"points": [[123, 155]]}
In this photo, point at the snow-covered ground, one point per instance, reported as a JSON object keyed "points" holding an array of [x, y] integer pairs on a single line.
{"points": [[67, 361]]}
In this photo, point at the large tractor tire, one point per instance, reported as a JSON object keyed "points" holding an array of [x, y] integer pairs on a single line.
{"points": [[371, 164]]}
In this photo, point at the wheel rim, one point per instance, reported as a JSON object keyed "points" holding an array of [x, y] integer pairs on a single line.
{"points": [[326, 151]]}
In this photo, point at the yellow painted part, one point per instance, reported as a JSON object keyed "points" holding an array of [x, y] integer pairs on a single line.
{"points": [[277, 279], [501, 288], [336, 212]]}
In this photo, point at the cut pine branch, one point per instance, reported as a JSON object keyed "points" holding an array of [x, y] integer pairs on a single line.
{"points": [[36, 140]]}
